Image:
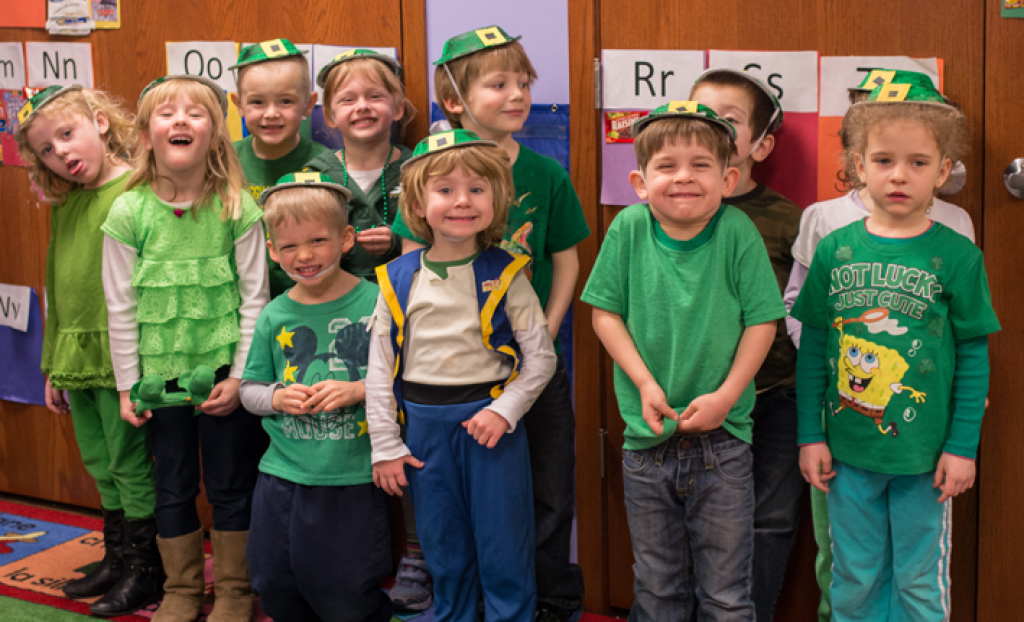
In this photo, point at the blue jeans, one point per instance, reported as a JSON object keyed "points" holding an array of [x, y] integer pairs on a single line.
{"points": [[690, 506], [778, 486], [551, 433]]}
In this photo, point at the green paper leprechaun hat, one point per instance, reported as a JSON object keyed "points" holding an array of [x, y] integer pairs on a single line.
{"points": [[42, 98], [222, 97], [895, 92], [878, 77], [357, 53], [151, 392], [473, 41], [268, 50], [306, 180], [776, 116], [443, 141], [690, 109]]}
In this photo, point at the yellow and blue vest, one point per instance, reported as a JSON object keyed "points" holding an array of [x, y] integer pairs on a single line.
{"points": [[494, 270]]}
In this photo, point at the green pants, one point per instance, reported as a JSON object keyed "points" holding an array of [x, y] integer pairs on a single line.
{"points": [[115, 453], [823, 560]]}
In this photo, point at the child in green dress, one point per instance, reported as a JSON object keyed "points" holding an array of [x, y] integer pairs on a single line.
{"points": [[185, 278], [76, 141]]}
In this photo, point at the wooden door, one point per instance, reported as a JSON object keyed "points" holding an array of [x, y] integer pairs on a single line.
{"points": [[955, 32], [1000, 467], [38, 453]]}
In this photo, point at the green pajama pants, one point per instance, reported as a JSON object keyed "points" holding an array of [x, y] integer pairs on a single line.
{"points": [[115, 453], [823, 560]]}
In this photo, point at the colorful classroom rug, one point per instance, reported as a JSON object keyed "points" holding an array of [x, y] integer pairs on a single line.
{"points": [[41, 550]]}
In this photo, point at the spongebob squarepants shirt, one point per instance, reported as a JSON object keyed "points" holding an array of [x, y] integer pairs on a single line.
{"points": [[894, 310], [306, 344]]}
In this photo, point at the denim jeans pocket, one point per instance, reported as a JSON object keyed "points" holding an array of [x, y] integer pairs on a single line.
{"points": [[735, 465], [637, 462]]}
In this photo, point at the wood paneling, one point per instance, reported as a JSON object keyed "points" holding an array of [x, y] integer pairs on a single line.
{"points": [[38, 454], [956, 33], [1000, 466]]}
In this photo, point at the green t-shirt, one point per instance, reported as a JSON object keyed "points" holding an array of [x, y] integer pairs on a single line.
{"points": [[260, 174], [366, 210], [306, 344], [546, 218], [686, 305], [778, 221], [893, 309], [185, 279], [76, 348]]}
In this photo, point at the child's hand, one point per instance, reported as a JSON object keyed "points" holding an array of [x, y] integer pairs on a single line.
{"points": [[390, 474], [816, 465], [292, 399], [55, 399], [655, 407], [487, 427], [128, 411], [705, 413], [334, 394], [223, 399], [376, 241], [954, 475]]}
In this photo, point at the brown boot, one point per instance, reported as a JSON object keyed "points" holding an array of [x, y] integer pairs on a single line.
{"points": [[185, 586], [233, 602]]}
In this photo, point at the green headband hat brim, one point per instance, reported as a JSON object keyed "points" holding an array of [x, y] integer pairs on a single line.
{"points": [[474, 41], [275, 49], [222, 97], [306, 180], [41, 99], [896, 93], [878, 77], [445, 141], [777, 122], [356, 54], [688, 110]]}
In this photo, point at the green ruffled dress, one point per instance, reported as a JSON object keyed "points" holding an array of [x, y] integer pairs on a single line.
{"points": [[186, 279], [76, 349]]}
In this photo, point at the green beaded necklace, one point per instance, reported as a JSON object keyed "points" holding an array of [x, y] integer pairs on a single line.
{"points": [[383, 182]]}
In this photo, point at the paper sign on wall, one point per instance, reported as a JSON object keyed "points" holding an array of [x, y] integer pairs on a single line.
{"points": [[12, 66], [204, 58], [61, 64], [646, 79], [323, 54], [793, 76], [14, 306]]}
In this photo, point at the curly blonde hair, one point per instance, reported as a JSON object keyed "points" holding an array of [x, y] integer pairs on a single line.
{"points": [[374, 71], [946, 124], [491, 163], [224, 176], [118, 138]]}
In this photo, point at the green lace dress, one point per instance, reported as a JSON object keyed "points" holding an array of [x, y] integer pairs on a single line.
{"points": [[76, 348], [186, 280]]}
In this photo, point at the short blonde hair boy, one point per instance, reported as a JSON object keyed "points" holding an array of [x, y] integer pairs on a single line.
{"points": [[293, 205]]}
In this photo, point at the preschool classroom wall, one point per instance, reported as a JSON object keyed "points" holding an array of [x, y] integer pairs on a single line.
{"points": [[961, 44]]}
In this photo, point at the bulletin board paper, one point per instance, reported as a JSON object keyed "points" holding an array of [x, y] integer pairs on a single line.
{"points": [[50, 63], [204, 58], [646, 79], [12, 66], [22, 13], [793, 76]]}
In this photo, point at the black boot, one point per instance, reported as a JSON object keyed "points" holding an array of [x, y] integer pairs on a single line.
{"points": [[143, 580], [108, 572]]}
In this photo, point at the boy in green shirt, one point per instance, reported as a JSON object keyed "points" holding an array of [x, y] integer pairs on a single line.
{"points": [[482, 82], [319, 541], [746, 103], [274, 95], [686, 304]]}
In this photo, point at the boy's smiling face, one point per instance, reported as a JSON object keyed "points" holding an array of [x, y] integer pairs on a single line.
{"points": [[684, 184], [273, 103], [499, 102]]}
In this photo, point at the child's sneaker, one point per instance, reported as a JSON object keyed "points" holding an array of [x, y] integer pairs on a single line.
{"points": [[551, 613], [414, 587]]}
